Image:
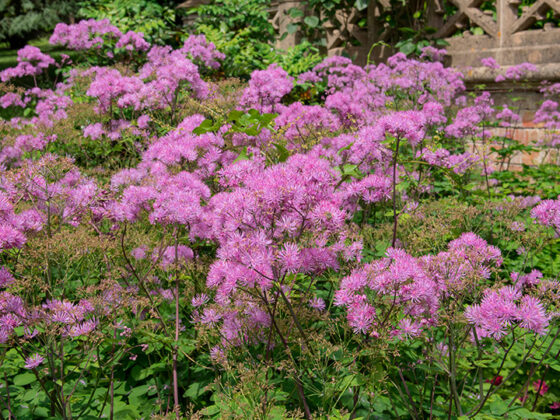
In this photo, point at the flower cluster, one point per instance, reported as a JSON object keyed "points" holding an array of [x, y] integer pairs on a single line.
{"points": [[443, 158], [417, 287], [202, 52], [86, 34], [503, 309], [266, 89], [31, 62], [547, 213]]}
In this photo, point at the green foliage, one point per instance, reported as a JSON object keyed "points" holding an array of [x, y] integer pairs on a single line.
{"points": [[311, 16], [235, 16], [23, 20], [157, 20], [404, 23], [242, 31], [541, 180], [298, 59]]}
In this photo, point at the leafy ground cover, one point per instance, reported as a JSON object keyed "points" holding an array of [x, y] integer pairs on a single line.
{"points": [[341, 243]]}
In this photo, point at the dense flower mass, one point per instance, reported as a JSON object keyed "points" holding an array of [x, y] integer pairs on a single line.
{"points": [[31, 62], [266, 89], [500, 309], [416, 285], [547, 213], [86, 34], [354, 216]]}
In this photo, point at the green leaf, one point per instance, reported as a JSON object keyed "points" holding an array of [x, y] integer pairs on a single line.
{"points": [[311, 21], [204, 127], [195, 390], [234, 115], [477, 31], [407, 48], [361, 4], [24, 379], [407, 30], [266, 119], [498, 407], [210, 411], [295, 12], [254, 113], [292, 28], [242, 155], [525, 414], [282, 152], [138, 391], [30, 395], [252, 131]]}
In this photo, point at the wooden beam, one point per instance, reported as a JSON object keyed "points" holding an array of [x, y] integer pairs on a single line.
{"points": [[529, 17], [478, 17]]}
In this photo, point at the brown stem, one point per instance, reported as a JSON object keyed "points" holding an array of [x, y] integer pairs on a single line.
{"points": [[112, 383], [299, 385], [479, 369], [539, 390], [493, 388], [294, 317], [395, 158], [63, 399], [432, 397], [176, 345], [356, 400], [8, 402], [413, 409], [452, 374]]}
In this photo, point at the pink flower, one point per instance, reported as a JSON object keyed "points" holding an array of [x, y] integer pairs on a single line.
{"points": [[199, 300], [317, 303], [496, 381], [203, 52], [540, 386], [34, 361], [266, 89], [490, 62]]}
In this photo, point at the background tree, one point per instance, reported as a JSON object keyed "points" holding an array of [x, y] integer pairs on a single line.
{"points": [[23, 20]]}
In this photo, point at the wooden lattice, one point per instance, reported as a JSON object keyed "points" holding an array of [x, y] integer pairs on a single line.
{"points": [[506, 22], [535, 13]]}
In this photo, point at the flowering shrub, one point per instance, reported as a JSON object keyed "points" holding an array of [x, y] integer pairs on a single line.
{"points": [[332, 244]]}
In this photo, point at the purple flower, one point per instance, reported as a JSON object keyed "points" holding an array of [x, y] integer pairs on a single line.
{"points": [[199, 300], [34, 361]]}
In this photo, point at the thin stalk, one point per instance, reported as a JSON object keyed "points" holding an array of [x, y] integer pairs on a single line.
{"points": [[176, 345], [433, 393], [479, 369], [395, 220], [413, 409], [8, 401], [453, 374], [62, 397], [112, 383], [539, 390], [299, 385], [294, 317]]}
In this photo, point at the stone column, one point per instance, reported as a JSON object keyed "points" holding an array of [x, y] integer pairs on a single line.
{"points": [[281, 19], [506, 11]]}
